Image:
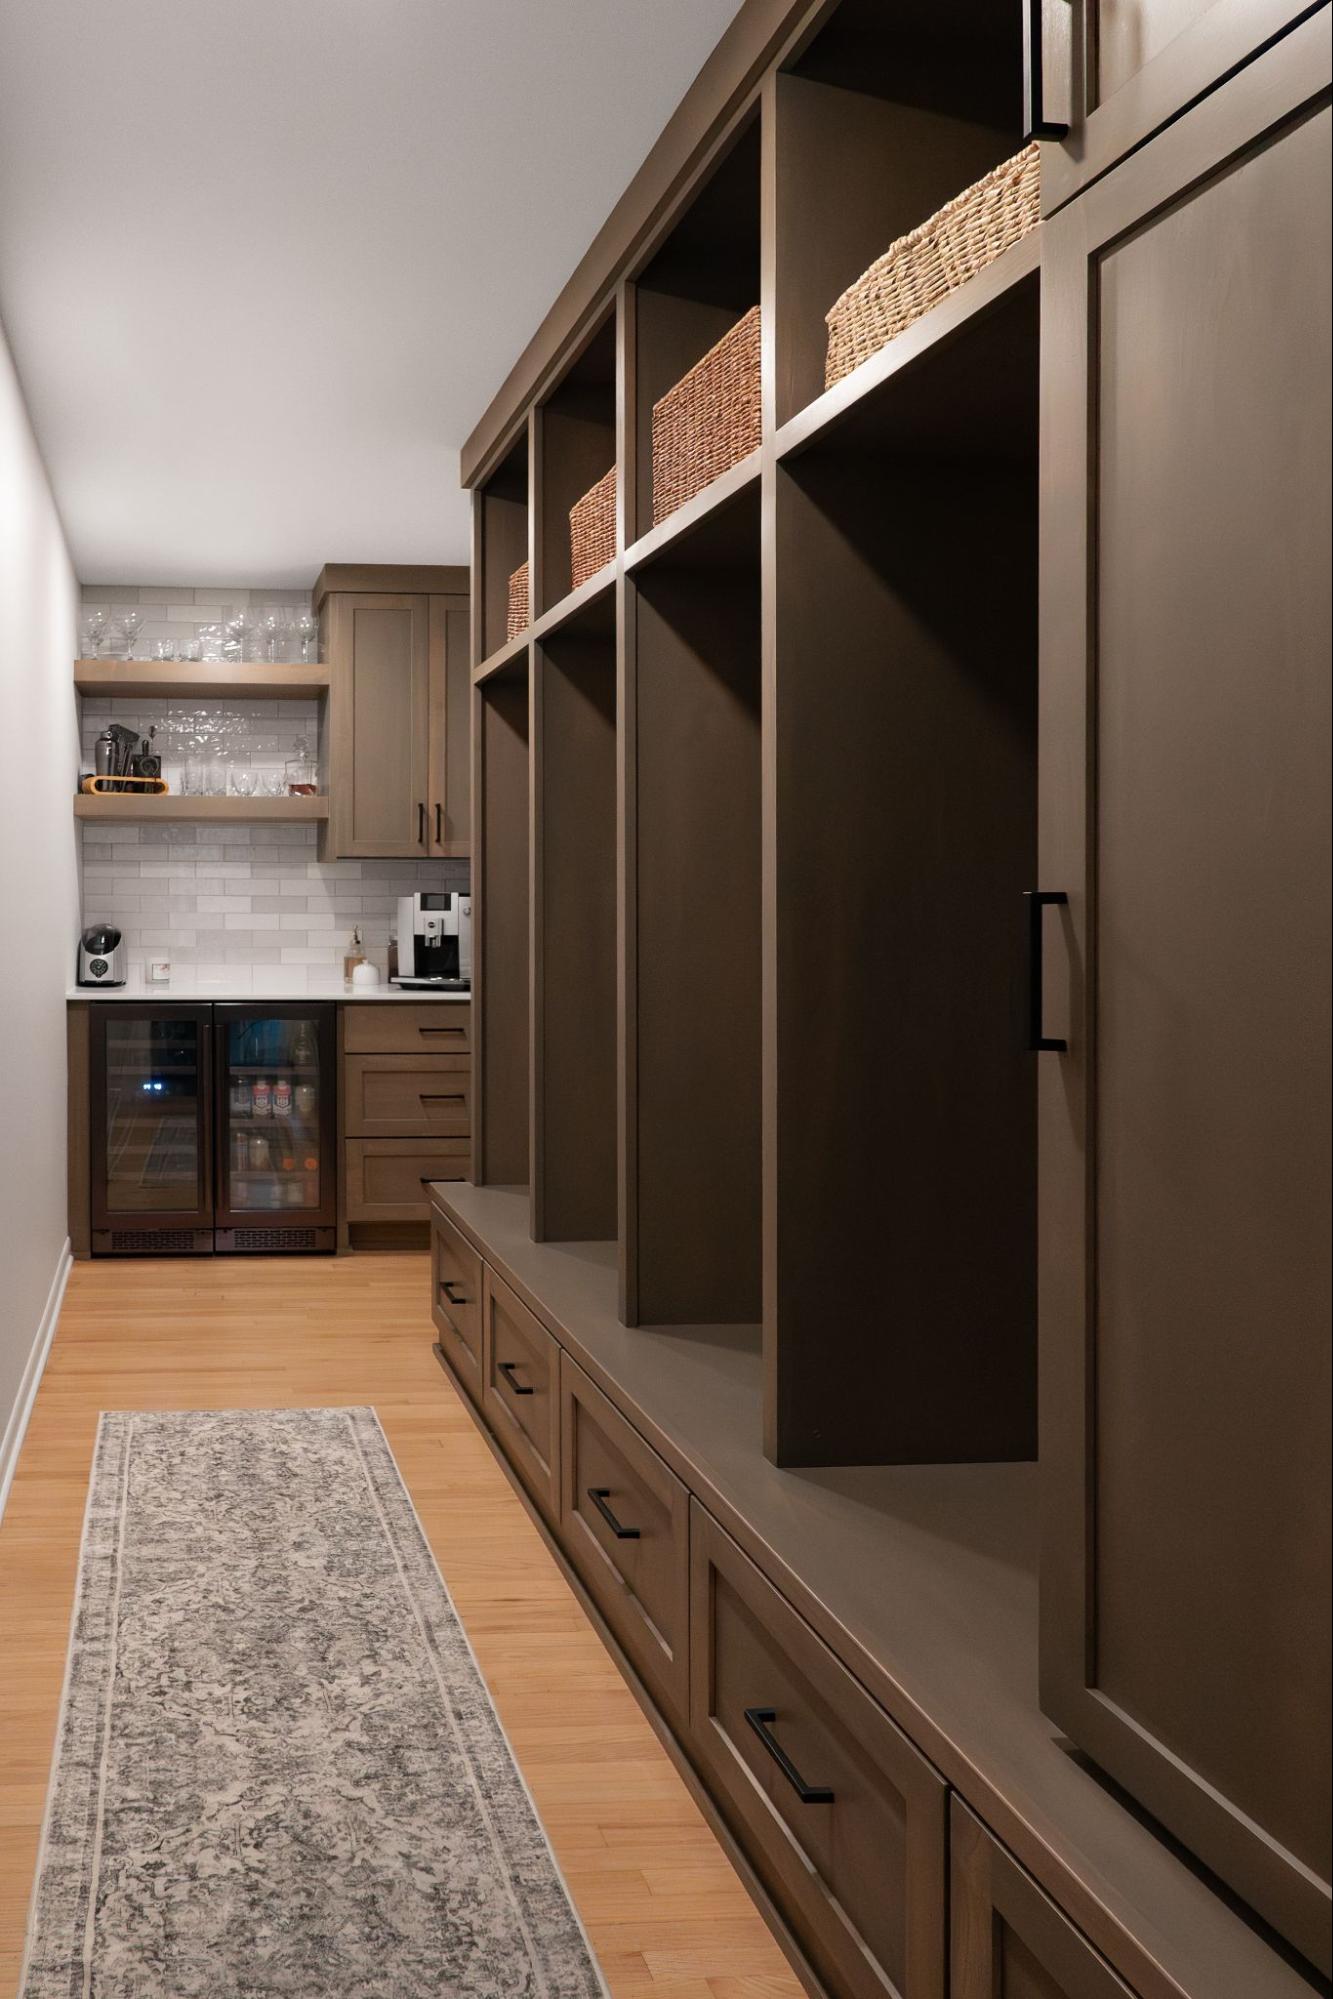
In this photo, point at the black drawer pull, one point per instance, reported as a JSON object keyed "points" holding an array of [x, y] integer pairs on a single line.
{"points": [[452, 1292], [809, 1794], [1037, 900], [441, 1096], [599, 1494], [506, 1368]]}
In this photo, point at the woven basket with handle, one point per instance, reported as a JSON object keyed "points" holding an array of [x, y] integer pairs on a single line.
{"points": [[709, 421], [592, 530], [919, 270], [518, 608]]}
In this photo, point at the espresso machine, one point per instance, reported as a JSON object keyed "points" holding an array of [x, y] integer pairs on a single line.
{"points": [[432, 944]]}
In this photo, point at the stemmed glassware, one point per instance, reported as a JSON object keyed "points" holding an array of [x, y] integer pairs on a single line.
{"points": [[94, 630], [307, 631], [130, 621]]}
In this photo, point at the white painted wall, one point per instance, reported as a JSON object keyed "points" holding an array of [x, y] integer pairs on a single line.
{"points": [[39, 900]]}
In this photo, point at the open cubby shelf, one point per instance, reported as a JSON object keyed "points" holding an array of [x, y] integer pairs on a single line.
{"points": [[758, 793]]}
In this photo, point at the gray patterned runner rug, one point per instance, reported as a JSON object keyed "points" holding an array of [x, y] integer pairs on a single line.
{"points": [[278, 1771]]}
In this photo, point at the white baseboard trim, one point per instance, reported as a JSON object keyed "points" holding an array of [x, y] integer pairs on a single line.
{"points": [[16, 1428]]}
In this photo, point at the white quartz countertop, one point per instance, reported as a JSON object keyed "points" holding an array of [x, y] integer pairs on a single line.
{"points": [[254, 987]]}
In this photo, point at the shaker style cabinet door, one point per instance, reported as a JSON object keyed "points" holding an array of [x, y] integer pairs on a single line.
{"points": [[379, 724], [1103, 75], [1184, 1140]]}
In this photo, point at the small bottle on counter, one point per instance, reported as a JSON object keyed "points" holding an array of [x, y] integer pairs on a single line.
{"points": [[355, 956]]}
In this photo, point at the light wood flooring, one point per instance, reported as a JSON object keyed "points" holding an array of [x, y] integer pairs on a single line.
{"points": [[665, 1912]]}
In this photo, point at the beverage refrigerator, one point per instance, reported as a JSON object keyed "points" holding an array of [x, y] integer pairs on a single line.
{"points": [[214, 1128]]}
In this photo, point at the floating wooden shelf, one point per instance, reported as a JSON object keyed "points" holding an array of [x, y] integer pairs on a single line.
{"points": [[571, 609], [184, 680], [120, 805]]}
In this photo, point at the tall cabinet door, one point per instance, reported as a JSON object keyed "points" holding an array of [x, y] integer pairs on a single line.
{"points": [[450, 828], [1184, 1141], [379, 694], [1116, 71]]}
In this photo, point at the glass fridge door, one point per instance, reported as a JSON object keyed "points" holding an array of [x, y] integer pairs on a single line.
{"points": [[150, 1127], [275, 1122]]}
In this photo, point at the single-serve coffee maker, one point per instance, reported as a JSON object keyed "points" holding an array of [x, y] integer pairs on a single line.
{"points": [[432, 943]]}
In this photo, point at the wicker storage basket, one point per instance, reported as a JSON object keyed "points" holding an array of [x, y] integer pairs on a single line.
{"points": [[592, 530], [919, 270], [709, 421], [518, 611]]}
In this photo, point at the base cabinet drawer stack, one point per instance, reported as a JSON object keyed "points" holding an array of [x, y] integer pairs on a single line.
{"points": [[407, 1107], [888, 1882]]}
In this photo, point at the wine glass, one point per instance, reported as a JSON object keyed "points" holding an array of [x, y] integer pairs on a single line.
{"points": [[307, 631], [131, 623], [270, 633], [94, 630]]}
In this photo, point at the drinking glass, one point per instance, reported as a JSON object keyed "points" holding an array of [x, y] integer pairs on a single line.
{"points": [[190, 649], [193, 777], [273, 783], [307, 632], [216, 786], [94, 630], [164, 648], [131, 623], [211, 640], [243, 781]]}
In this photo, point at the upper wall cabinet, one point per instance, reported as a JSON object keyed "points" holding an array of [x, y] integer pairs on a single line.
{"points": [[397, 730], [1184, 1139], [1103, 75]]}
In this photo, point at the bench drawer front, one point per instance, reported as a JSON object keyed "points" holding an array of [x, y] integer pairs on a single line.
{"points": [[844, 1817], [521, 1391], [625, 1521], [456, 1301], [384, 1176], [408, 1096], [408, 1027]]}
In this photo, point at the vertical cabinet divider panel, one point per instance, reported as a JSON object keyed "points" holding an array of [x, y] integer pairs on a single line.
{"points": [[574, 929], [501, 961], [692, 767]]}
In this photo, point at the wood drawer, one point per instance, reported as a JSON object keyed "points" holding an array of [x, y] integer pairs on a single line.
{"points": [[626, 1524], [858, 1862], [408, 1027], [382, 1177], [455, 1279], [521, 1391], [1007, 1935], [407, 1096]]}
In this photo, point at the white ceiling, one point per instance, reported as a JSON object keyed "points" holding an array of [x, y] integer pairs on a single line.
{"points": [[264, 262]]}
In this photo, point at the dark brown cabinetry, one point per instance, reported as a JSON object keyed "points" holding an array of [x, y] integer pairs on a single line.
{"points": [[1184, 1135], [1007, 1939], [1032, 599], [1115, 71], [397, 723]]}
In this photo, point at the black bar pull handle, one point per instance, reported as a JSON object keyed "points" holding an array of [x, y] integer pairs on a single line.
{"points": [[439, 825], [599, 1494], [1037, 900], [507, 1368], [453, 1293], [760, 1719], [1047, 31], [421, 825]]}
